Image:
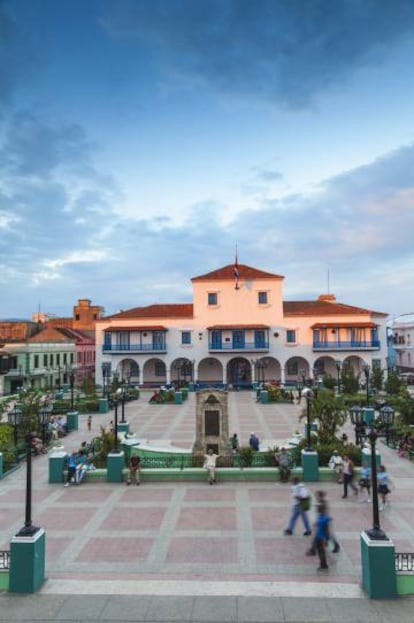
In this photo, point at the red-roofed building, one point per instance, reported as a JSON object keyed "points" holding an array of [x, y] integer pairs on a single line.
{"points": [[236, 331]]}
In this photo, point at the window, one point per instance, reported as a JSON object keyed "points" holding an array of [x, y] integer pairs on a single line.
{"points": [[185, 337], [51, 361], [45, 361], [36, 361], [291, 336], [262, 298], [65, 358], [58, 359], [212, 298], [259, 339]]}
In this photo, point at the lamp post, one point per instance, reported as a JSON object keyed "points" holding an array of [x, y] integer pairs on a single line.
{"points": [[356, 414], [338, 365], [44, 416], [116, 398], [122, 392], [72, 384], [309, 395], [387, 419], [15, 417], [366, 369]]}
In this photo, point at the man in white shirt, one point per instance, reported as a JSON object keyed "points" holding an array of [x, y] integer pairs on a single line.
{"points": [[210, 460], [301, 498]]}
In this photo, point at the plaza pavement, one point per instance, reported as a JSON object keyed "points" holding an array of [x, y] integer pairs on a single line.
{"points": [[187, 551]]}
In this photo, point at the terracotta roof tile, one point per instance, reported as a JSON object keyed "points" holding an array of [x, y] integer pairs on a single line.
{"points": [[173, 310], [50, 335], [223, 327], [246, 273], [142, 328], [344, 324], [323, 308]]}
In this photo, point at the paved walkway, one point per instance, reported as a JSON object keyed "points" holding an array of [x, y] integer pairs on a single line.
{"points": [[191, 552]]}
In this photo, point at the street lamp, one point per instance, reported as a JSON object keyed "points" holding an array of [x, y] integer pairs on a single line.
{"points": [[383, 423], [44, 416], [338, 365], [387, 419], [309, 395], [72, 385], [15, 417], [116, 397], [121, 390], [366, 370], [356, 414]]}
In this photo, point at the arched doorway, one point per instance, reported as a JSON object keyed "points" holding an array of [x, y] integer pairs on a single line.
{"points": [[239, 374]]}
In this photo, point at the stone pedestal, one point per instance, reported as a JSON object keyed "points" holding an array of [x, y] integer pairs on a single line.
{"points": [[310, 466], [379, 578], [369, 416], [103, 405], [123, 427], [27, 563], [366, 457], [212, 421], [56, 466], [114, 465], [72, 420], [178, 398], [264, 397]]}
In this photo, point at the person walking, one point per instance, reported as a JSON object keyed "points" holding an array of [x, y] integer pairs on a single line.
{"points": [[348, 476], [301, 504], [365, 483], [383, 489], [321, 537], [89, 421], [322, 508], [210, 460]]}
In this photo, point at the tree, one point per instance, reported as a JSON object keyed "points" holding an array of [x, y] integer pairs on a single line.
{"points": [[393, 384], [377, 378], [349, 381], [330, 413]]}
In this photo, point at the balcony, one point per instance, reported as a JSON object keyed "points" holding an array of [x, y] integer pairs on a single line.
{"points": [[342, 346], [134, 348], [251, 347]]}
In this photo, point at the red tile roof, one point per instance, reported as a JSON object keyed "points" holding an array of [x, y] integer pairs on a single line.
{"points": [[246, 273], [143, 328], [323, 308], [345, 324], [49, 334], [168, 310], [223, 327]]}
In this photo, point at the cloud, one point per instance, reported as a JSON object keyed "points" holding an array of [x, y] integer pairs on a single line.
{"points": [[285, 52]]}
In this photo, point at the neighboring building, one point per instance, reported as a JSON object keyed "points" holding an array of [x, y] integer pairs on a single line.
{"points": [[236, 332], [14, 331], [44, 351], [84, 318], [402, 331]]}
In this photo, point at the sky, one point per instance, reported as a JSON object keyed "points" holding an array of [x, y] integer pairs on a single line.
{"points": [[143, 141]]}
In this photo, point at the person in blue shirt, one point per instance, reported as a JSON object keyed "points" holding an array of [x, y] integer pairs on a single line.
{"points": [[321, 538], [365, 483], [254, 442], [71, 464]]}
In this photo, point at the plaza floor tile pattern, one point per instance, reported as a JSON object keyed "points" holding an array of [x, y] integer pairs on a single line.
{"points": [[189, 534]]}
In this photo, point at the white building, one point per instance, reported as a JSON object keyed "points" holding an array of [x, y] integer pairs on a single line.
{"points": [[235, 332]]}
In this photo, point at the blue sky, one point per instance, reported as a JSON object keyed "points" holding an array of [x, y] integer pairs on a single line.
{"points": [[141, 140]]}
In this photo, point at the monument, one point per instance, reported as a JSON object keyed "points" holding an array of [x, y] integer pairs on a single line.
{"points": [[212, 421]]}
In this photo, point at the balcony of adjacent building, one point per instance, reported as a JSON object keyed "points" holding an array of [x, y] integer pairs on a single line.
{"points": [[329, 337], [135, 340], [238, 339]]}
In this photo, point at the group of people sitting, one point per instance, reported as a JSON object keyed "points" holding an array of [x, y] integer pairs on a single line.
{"points": [[57, 427], [77, 464]]}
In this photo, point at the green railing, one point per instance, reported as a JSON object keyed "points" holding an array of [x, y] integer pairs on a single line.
{"points": [[182, 461]]}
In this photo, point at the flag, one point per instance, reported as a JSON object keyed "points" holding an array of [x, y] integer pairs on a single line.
{"points": [[236, 273]]}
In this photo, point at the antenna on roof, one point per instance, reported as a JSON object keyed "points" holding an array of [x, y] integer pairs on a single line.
{"points": [[236, 272]]}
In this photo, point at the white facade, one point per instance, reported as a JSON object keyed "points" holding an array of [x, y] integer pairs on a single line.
{"points": [[403, 342], [234, 336]]}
